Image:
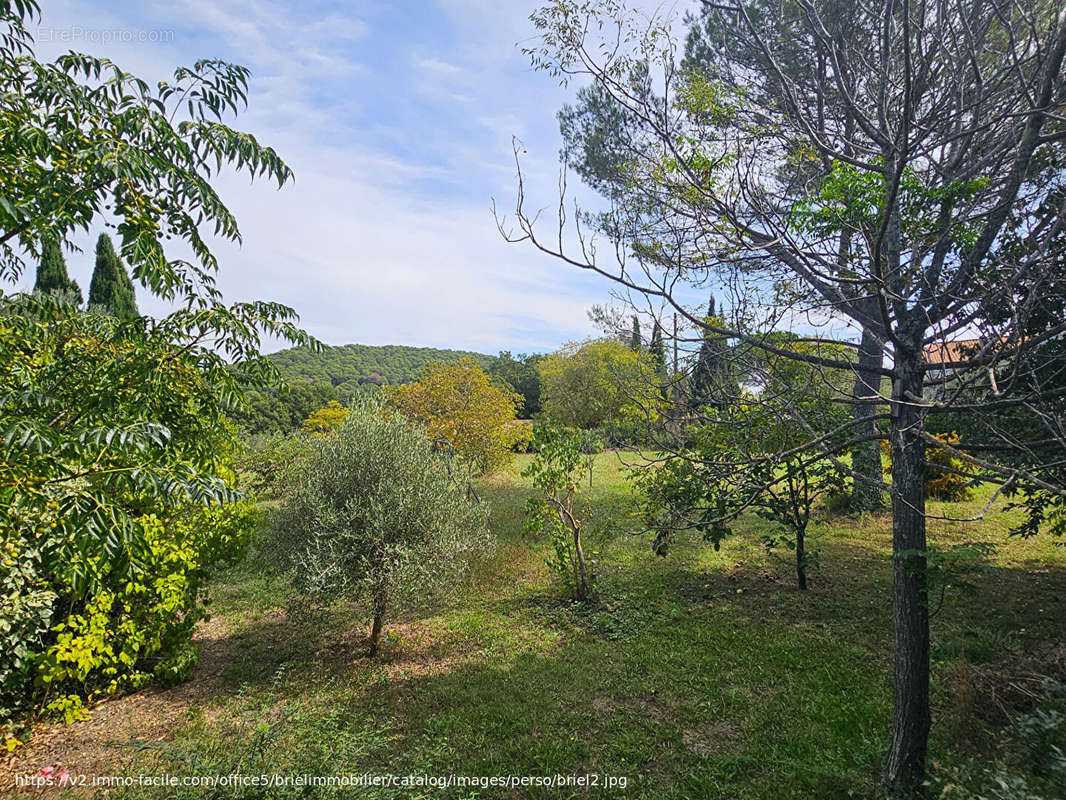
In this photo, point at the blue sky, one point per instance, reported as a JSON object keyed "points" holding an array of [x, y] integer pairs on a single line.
{"points": [[397, 118]]}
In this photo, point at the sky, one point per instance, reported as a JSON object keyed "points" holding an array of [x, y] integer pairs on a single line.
{"points": [[398, 120]]}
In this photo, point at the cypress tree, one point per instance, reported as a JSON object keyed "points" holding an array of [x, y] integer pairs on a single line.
{"points": [[52, 277], [711, 381], [634, 341], [657, 351], [111, 288]]}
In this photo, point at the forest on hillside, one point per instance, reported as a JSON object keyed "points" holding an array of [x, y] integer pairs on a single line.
{"points": [[313, 378]]}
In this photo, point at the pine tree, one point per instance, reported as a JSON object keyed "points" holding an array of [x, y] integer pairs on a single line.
{"points": [[52, 277], [711, 380], [635, 342], [111, 288]]}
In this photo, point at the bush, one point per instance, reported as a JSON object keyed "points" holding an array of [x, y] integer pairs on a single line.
{"points": [[266, 463], [63, 646], [378, 515], [115, 502], [1030, 762], [943, 471]]}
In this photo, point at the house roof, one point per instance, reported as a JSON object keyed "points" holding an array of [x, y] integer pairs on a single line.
{"points": [[947, 353]]}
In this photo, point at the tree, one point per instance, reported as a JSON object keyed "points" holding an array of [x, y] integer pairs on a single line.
{"points": [[880, 190], [557, 470], [749, 455], [111, 288], [519, 375], [657, 351], [588, 384], [607, 138], [52, 273], [457, 403], [378, 516], [713, 380], [115, 491], [635, 342], [326, 420]]}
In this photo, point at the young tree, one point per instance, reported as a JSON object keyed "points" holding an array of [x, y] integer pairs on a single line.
{"points": [[557, 471], [378, 516], [751, 455], [459, 404], [878, 186], [111, 288], [52, 277]]}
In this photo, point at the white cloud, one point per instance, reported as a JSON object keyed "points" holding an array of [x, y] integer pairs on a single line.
{"points": [[438, 66], [386, 236]]}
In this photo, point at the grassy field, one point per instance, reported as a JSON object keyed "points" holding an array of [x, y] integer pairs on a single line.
{"points": [[700, 675]]}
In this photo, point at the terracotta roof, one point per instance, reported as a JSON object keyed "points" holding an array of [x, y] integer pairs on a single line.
{"points": [[950, 352]]}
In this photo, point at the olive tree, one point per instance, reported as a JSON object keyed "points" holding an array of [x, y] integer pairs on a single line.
{"points": [[379, 516]]}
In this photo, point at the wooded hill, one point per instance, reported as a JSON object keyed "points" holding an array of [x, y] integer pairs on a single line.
{"points": [[336, 373]]}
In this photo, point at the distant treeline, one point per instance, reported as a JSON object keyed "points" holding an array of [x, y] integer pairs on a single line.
{"points": [[342, 373]]}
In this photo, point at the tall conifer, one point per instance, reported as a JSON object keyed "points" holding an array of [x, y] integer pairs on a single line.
{"points": [[111, 287], [52, 274], [712, 381], [635, 342]]}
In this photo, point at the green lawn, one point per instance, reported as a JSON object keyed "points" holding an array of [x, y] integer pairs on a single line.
{"points": [[700, 675]]}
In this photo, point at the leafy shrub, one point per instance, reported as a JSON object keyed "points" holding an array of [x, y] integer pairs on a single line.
{"points": [[941, 481], [325, 420], [945, 474], [1030, 763], [378, 515], [64, 647], [116, 499]]}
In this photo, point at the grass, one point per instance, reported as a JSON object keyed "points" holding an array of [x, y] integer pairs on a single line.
{"points": [[703, 674]]}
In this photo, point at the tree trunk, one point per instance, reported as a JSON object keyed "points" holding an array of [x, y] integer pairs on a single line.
{"points": [[581, 578], [801, 555], [905, 764], [866, 456], [380, 606]]}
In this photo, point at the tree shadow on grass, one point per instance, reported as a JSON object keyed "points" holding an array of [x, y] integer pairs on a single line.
{"points": [[685, 710]]}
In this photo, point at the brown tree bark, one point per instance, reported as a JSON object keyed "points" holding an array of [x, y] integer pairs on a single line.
{"points": [[905, 764], [380, 606]]}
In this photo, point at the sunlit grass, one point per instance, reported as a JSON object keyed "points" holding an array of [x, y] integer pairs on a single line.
{"points": [[702, 674]]}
